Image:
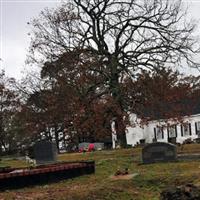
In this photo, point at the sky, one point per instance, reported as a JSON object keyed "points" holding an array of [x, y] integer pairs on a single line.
{"points": [[14, 39]]}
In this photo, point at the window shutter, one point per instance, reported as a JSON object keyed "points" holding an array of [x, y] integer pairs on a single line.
{"points": [[190, 129], [155, 133], [167, 132], [176, 129], [196, 128], [162, 133], [181, 130]]}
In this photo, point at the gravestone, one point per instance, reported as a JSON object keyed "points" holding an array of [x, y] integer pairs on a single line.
{"points": [[159, 152], [45, 152], [99, 145]]}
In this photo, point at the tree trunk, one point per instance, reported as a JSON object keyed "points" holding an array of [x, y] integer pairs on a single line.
{"points": [[57, 138], [117, 96], [120, 131]]}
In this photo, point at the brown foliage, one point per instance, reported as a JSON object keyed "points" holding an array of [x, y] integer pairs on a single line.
{"points": [[162, 95]]}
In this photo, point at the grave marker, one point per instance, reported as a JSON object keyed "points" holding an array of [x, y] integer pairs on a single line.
{"points": [[45, 152], [159, 152]]}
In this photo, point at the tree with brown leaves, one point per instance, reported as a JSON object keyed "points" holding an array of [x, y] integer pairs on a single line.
{"points": [[125, 37], [164, 94], [9, 106]]}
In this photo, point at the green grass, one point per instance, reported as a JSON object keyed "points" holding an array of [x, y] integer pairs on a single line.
{"points": [[13, 162], [152, 178]]}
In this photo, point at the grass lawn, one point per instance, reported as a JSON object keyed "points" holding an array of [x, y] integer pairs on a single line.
{"points": [[147, 185]]}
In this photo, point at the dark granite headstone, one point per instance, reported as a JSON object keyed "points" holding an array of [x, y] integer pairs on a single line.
{"points": [[45, 152], [159, 152]]}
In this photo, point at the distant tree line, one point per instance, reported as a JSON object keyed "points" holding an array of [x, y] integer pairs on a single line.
{"points": [[72, 112]]}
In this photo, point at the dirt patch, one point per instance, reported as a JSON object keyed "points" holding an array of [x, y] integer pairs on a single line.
{"points": [[124, 177], [29, 196]]}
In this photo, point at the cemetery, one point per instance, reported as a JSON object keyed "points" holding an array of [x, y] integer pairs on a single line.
{"points": [[99, 100], [140, 181], [20, 177], [47, 170]]}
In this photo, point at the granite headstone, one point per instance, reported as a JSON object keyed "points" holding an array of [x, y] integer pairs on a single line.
{"points": [[45, 152], [159, 152]]}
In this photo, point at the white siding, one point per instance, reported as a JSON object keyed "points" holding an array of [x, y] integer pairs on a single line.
{"points": [[134, 134]]}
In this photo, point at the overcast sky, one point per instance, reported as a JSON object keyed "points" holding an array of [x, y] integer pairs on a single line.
{"points": [[14, 39]]}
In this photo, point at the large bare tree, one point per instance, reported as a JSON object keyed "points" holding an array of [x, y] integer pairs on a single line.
{"points": [[126, 36]]}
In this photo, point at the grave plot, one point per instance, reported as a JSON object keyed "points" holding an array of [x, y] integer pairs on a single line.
{"points": [[48, 169], [19, 177]]}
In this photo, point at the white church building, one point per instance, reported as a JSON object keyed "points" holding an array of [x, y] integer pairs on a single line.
{"points": [[162, 131]]}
